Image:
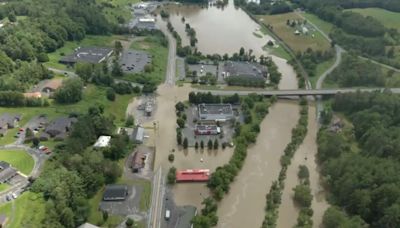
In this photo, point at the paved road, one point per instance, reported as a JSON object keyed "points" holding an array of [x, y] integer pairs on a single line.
{"points": [[171, 65], [300, 92], [339, 52], [155, 214]]}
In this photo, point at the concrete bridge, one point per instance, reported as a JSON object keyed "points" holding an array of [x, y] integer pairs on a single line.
{"points": [[300, 92]]}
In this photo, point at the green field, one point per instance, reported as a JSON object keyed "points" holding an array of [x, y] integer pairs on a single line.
{"points": [[321, 24], [277, 50], [159, 53], [19, 159], [296, 42], [69, 46], [29, 210], [388, 18]]}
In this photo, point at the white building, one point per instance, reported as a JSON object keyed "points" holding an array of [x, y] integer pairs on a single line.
{"points": [[102, 141]]}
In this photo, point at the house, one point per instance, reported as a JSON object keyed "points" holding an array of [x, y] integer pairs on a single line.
{"points": [[88, 225], [6, 172], [52, 85], [33, 95], [137, 135], [88, 55], [3, 220], [215, 112], [8, 121], [115, 192], [44, 136], [138, 161], [59, 126], [102, 141]]}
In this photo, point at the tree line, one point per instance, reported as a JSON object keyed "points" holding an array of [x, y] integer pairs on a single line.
{"points": [[363, 180]]}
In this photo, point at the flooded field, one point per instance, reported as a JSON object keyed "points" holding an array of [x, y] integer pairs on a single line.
{"points": [[305, 155], [225, 31], [262, 166]]}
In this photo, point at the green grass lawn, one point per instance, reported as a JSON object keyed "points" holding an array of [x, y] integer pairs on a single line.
{"points": [[29, 211], [4, 187], [296, 42], [321, 24], [159, 53], [388, 18], [19, 159], [69, 46], [321, 68]]}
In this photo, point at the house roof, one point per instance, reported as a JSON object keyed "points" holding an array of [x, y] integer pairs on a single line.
{"points": [[7, 173], [102, 141], [4, 165], [247, 69], [53, 84], [87, 54], [87, 225], [138, 134], [8, 119], [138, 160], [60, 124], [115, 192]]}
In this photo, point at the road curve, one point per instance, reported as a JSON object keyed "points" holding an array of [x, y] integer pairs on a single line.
{"points": [[321, 79]]}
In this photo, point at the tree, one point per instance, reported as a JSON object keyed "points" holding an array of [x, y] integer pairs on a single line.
{"points": [[35, 142], [180, 122], [70, 91], [179, 137], [302, 195], [42, 57], [241, 51], [303, 172], [118, 47], [130, 121], [171, 177], [171, 157], [84, 71], [116, 70], [201, 144], [11, 17], [110, 94], [196, 145], [129, 222], [216, 144], [210, 144], [105, 215], [180, 107], [185, 143]]}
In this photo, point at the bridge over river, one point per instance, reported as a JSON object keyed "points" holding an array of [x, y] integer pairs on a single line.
{"points": [[302, 92]]}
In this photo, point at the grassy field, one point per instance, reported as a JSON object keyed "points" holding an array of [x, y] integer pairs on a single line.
{"points": [[119, 9], [277, 50], [296, 42], [29, 211], [69, 46], [19, 159], [321, 24], [388, 18], [159, 53]]}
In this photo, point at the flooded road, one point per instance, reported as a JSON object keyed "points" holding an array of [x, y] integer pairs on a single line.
{"points": [[262, 166], [305, 155], [225, 31]]}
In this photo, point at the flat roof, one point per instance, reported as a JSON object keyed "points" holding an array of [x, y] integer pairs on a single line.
{"points": [[196, 175], [115, 192], [103, 141], [215, 109], [249, 69], [138, 134], [87, 54]]}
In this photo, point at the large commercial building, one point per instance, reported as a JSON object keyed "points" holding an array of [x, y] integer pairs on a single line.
{"points": [[244, 69], [215, 112], [87, 54]]}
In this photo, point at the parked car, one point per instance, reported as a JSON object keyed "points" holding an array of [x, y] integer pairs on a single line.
{"points": [[8, 198], [14, 195]]}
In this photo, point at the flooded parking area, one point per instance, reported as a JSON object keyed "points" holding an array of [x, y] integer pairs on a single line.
{"points": [[262, 166]]}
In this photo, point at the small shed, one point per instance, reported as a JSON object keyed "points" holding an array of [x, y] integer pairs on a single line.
{"points": [[137, 135]]}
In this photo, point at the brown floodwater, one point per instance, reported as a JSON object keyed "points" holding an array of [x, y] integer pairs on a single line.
{"points": [[305, 155], [225, 31], [245, 203]]}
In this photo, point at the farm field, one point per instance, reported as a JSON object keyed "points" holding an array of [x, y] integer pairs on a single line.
{"points": [[388, 18], [301, 42], [19, 159]]}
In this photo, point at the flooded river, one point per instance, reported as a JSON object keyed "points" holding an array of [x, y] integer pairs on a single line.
{"points": [[305, 155], [245, 203], [225, 31]]}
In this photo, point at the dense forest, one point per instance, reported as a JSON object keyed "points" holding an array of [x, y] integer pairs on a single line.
{"points": [[365, 35], [362, 164], [354, 71], [29, 35]]}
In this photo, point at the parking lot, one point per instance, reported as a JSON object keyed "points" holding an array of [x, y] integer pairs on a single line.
{"points": [[134, 61]]}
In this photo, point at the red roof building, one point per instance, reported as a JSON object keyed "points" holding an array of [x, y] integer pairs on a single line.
{"points": [[193, 175]]}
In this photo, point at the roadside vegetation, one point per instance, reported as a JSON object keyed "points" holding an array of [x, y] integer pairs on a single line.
{"points": [[275, 193], [360, 160], [254, 109]]}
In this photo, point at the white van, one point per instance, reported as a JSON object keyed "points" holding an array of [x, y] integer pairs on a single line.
{"points": [[167, 214]]}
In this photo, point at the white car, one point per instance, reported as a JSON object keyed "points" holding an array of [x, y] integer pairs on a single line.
{"points": [[14, 195]]}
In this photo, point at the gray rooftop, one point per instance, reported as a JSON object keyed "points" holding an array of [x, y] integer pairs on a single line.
{"points": [[8, 119], [60, 125], [215, 111], [137, 135], [4, 165], [115, 192], [247, 69], [87, 54]]}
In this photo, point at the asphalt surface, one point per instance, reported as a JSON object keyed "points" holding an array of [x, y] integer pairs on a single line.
{"points": [[171, 65]]}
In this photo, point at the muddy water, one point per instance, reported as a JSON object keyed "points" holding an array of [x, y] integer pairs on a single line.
{"points": [[305, 155], [245, 203], [225, 30]]}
